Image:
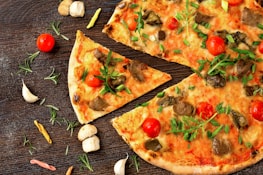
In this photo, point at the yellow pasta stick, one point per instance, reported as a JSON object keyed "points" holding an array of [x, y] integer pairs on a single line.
{"points": [[94, 18], [43, 131]]}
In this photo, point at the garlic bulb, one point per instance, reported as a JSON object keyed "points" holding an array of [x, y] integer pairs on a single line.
{"points": [[119, 167], [27, 95]]}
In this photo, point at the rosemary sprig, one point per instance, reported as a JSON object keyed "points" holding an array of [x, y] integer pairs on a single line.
{"points": [[67, 149], [26, 142], [55, 27], [53, 76], [53, 114], [71, 125], [26, 67], [85, 162], [135, 162]]}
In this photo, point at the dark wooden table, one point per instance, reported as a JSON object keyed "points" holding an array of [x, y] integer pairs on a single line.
{"points": [[20, 24]]}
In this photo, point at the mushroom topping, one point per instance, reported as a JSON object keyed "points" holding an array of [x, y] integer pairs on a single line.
{"points": [[221, 146], [250, 17], [251, 89], [122, 5], [98, 104], [151, 18], [243, 67], [216, 81], [114, 83], [183, 108], [167, 101], [153, 144], [239, 120], [102, 57], [202, 18], [161, 35], [136, 69]]}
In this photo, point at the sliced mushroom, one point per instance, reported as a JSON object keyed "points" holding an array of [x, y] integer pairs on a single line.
{"points": [[98, 104], [221, 146], [167, 101], [250, 17], [102, 57], [243, 67], [151, 18], [153, 144], [136, 69], [202, 18], [114, 83], [251, 89], [122, 5], [239, 120], [238, 38], [216, 81], [183, 108]]}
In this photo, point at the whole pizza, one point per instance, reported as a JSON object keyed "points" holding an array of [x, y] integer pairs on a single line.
{"points": [[209, 123]]}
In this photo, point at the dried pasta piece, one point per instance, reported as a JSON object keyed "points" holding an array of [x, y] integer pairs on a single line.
{"points": [[43, 131], [43, 164]]}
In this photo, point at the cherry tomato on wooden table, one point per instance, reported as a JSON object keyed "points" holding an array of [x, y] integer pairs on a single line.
{"points": [[215, 45], [91, 79], [260, 47], [172, 23], [235, 2], [152, 127], [256, 110], [45, 42], [205, 110]]}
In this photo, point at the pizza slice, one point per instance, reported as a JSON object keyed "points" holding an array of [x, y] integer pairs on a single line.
{"points": [[101, 81], [194, 128], [186, 31]]}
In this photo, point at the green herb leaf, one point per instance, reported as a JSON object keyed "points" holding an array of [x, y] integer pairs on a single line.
{"points": [[26, 67], [160, 94], [55, 27], [26, 142], [140, 22], [53, 76], [85, 162], [135, 162], [71, 125]]}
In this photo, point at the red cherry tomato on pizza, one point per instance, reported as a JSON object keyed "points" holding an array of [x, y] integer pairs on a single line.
{"points": [[172, 23], [205, 110], [256, 110], [260, 47], [131, 22], [235, 2], [215, 45], [92, 80], [152, 127], [45, 42]]}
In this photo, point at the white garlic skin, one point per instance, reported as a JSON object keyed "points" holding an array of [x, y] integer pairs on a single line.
{"points": [[119, 167], [27, 94]]}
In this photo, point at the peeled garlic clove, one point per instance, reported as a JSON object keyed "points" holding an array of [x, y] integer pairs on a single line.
{"points": [[77, 9], [119, 167], [27, 95]]}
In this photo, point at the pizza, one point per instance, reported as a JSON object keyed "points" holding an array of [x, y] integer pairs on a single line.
{"points": [[100, 80], [212, 121]]}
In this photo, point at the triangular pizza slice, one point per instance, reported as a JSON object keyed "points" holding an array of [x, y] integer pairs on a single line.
{"points": [[101, 81]]}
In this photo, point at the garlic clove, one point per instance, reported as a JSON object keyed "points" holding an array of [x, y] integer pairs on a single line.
{"points": [[86, 131], [91, 144], [77, 9], [119, 167], [27, 95]]}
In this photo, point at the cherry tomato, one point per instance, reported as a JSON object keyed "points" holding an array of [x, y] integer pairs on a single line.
{"points": [[205, 110], [215, 45], [256, 110], [151, 127], [92, 80], [131, 22], [260, 47], [235, 2], [45, 42], [172, 23]]}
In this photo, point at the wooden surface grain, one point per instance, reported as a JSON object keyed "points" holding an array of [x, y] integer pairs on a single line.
{"points": [[20, 24]]}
